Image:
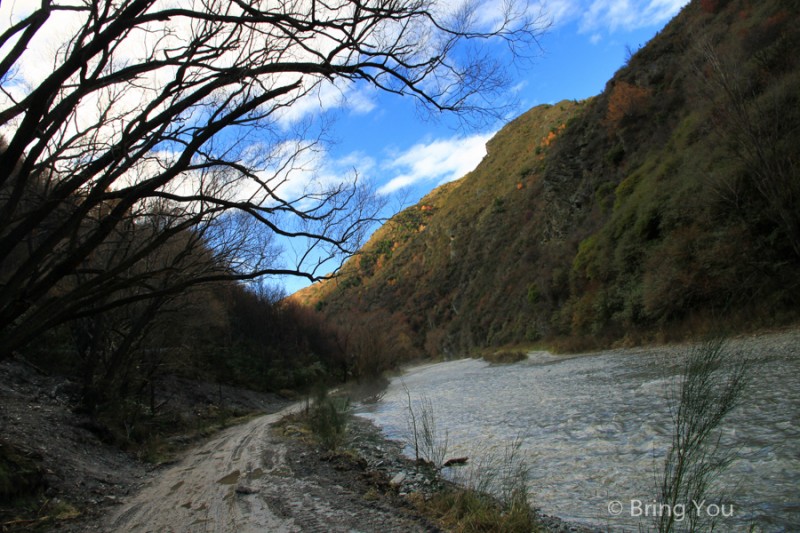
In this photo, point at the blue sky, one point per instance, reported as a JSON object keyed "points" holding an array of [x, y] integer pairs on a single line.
{"points": [[405, 156]]}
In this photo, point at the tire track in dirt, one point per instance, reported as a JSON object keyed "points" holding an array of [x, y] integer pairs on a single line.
{"points": [[250, 479], [214, 488]]}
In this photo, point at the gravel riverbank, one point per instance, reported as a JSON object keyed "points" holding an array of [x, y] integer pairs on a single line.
{"points": [[384, 458]]}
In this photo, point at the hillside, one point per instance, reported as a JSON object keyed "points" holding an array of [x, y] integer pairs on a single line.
{"points": [[665, 206]]}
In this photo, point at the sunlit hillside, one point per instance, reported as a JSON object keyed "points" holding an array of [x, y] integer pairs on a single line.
{"points": [[667, 206]]}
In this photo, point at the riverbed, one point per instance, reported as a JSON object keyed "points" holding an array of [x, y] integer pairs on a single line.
{"points": [[595, 428]]}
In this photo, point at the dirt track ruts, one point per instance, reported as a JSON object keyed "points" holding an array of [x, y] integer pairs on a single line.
{"points": [[251, 479], [199, 493]]}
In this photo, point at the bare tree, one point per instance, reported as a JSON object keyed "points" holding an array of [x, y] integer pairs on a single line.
{"points": [[172, 116]]}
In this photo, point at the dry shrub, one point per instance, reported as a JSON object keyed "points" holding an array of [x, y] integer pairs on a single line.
{"points": [[371, 342], [709, 6], [436, 341], [504, 357], [626, 101]]}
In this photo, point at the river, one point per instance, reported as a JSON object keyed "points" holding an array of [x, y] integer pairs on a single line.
{"points": [[595, 428]]}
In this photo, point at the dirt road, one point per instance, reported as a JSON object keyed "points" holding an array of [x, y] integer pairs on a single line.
{"points": [[249, 478]]}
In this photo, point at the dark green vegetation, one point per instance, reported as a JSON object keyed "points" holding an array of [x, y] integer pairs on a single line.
{"points": [[504, 357], [664, 206], [224, 333], [328, 419], [467, 510]]}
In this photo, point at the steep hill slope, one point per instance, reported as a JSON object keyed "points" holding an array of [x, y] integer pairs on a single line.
{"points": [[667, 203]]}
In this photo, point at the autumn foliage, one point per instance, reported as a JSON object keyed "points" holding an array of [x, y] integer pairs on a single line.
{"points": [[626, 101]]}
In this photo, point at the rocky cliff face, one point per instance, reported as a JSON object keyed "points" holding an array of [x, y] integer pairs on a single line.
{"points": [[643, 212]]}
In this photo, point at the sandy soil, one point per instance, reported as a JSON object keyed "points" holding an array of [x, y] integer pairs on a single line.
{"points": [[250, 478], [218, 486]]}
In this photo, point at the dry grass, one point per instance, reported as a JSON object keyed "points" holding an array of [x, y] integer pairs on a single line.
{"points": [[504, 357]]}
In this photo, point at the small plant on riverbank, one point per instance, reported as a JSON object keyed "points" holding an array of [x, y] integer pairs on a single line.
{"points": [[463, 510], [423, 435], [328, 419], [711, 385], [490, 494]]}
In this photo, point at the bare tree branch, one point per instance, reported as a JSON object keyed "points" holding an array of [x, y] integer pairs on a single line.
{"points": [[151, 155]]}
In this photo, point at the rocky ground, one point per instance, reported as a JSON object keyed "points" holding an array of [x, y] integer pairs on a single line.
{"points": [[36, 418]]}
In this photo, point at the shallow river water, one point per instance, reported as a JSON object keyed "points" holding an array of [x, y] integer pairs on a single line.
{"points": [[596, 427]]}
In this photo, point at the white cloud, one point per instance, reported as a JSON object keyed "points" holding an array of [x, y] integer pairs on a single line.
{"points": [[614, 15], [490, 15], [354, 161], [438, 161], [563, 11], [594, 16], [46, 51], [360, 100], [327, 96], [311, 171], [519, 87]]}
